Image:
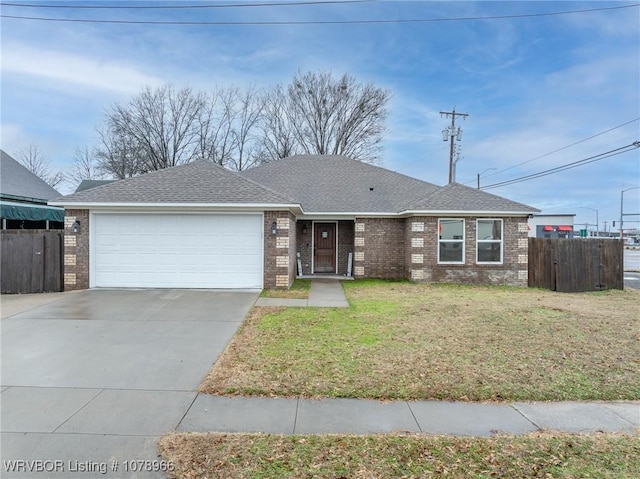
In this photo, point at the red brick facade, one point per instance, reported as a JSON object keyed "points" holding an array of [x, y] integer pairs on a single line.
{"points": [[76, 250], [408, 248], [388, 248], [379, 248], [279, 249], [345, 245], [304, 235], [421, 255]]}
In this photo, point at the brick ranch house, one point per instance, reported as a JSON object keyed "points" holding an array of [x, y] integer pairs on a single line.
{"points": [[199, 225]]}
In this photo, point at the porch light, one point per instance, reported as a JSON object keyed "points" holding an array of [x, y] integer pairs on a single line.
{"points": [[304, 229], [274, 228], [75, 227]]}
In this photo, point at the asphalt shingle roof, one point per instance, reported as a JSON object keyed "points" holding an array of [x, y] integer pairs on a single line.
{"points": [[336, 184], [88, 184], [196, 182], [457, 197], [16, 180], [319, 183]]}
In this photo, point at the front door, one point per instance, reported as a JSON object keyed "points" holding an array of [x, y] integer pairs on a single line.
{"points": [[324, 248]]}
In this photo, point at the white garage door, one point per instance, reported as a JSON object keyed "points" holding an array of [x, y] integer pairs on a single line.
{"points": [[177, 251]]}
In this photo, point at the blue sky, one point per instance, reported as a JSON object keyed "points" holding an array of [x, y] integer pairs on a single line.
{"points": [[530, 85]]}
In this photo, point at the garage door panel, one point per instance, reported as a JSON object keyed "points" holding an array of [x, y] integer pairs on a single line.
{"points": [[182, 251]]}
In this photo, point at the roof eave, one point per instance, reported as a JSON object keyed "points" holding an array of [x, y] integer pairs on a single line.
{"points": [[346, 214], [177, 206], [466, 213]]}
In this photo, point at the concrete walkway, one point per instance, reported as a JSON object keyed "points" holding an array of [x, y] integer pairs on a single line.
{"points": [[324, 293], [357, 416]]}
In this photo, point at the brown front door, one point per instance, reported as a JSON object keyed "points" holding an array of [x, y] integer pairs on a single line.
{"points": [[324, 248]]}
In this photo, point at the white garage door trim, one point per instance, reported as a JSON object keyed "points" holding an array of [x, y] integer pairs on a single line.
{"points": [[200, 250]]}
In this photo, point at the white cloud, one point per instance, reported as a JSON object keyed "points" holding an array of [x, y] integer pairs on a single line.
{"points": [[13, 137], [89, 72]]}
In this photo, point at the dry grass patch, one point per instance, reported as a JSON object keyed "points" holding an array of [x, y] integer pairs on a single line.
{"points": [[412, 341], [299, 290], [229, 456]]}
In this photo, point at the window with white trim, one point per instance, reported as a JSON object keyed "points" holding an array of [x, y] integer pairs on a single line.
{"points": [[451, 241], [489, 241]]}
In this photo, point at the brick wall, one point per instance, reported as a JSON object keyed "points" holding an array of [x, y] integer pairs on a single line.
{"points": [[345, 245], [421, 256], [379, 248], [293, 247], [76, 250], [279, 250], [303, 243]]}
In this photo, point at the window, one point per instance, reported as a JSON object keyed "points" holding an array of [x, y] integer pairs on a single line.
{"points": [[451, 241], [489, 241]]}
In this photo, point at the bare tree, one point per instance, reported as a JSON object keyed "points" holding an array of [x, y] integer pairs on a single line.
{"points": [[215, 126], [248, 114], [229, 127], [84, 166], [118, 154], [278, 138], [315, 114], [34, 160], [330, 116], [161, 125]]}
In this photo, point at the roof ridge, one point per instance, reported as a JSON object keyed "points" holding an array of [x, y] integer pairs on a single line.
{"points": [[420, 204], [423, 198], [195, 179], [345, 157], [126, 180], [264, 187], [486, 193]]}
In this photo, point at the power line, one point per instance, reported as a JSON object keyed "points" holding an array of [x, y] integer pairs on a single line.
{"points": [[568, 166], [316, 22], [173, 7], [562, 148]]}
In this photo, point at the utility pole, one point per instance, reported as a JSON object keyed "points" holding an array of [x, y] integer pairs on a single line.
{"points": [[450, 133]]}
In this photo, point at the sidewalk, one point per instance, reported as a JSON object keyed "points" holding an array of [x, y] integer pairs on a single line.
{"points": [[324, 293], [358, 416]]}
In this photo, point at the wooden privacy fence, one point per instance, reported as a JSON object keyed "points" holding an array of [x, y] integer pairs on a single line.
{"points": [[573, 265], [31, 261]]}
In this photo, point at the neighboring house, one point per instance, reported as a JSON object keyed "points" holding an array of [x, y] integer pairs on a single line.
{"points": [[201, 226], [551, 226], [88, 184], [23, 198]]}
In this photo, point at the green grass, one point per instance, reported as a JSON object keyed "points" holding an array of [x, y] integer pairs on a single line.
{"points": [[560, 456], [401, 340], [299, 290]]}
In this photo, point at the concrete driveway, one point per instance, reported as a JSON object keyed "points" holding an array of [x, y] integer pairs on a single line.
{"points": [[91, 379]]}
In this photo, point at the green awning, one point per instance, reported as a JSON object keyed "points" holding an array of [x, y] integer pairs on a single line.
{"points": [[24, 211]]}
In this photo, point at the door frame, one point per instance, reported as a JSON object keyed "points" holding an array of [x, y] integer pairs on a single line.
{"points": [[313, 246]]}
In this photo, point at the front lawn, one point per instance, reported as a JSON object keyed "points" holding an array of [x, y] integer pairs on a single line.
{"points": [[228, 456], [400, 340]]}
